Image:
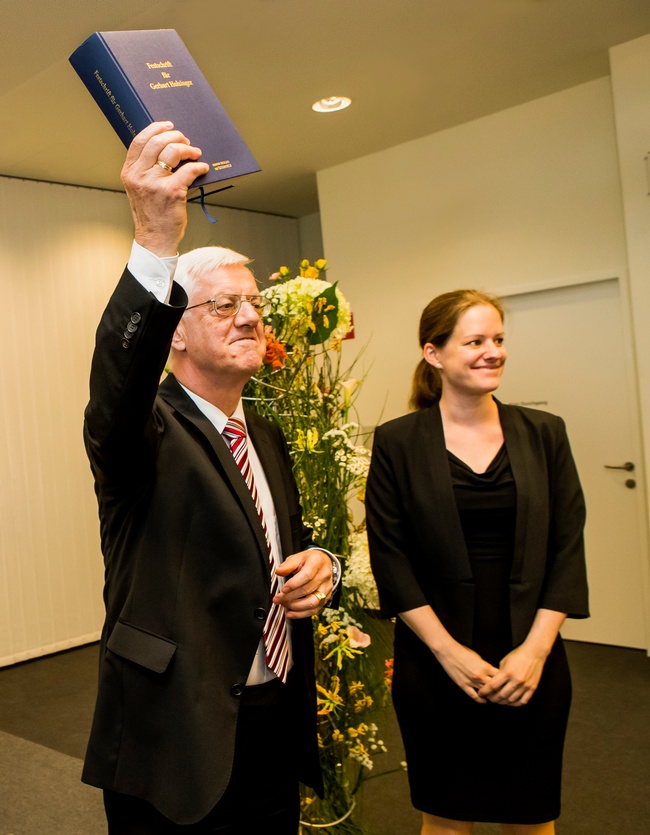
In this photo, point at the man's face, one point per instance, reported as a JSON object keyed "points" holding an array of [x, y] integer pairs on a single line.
{"points": [[221, 351]]}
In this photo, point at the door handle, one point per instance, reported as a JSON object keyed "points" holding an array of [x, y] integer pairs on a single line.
{"points": [[628, 466]]}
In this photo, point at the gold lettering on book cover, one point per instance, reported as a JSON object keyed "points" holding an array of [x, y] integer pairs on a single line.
{"points": [[165, 85], [115, 103]]}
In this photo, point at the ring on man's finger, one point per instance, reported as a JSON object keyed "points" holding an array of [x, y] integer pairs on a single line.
{"points": [[164, 165], [319, 595]]}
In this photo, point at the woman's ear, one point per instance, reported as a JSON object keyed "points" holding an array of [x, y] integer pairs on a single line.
{"points": [[430, 355]]}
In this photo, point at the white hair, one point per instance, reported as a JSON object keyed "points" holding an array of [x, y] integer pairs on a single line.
{"points": [[193, 265]]}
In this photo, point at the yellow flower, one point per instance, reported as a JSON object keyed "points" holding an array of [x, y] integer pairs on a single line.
{"points": [[359, 751], [330, 700], [309, 271], [322, 629], [362, 703], [321, 744], [341, 650], [358, 731], [285, 272], [337, 736], [306, 440], [355, 687]]}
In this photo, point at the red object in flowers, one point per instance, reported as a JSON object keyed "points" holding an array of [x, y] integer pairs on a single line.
{"points": [[275, 352]]}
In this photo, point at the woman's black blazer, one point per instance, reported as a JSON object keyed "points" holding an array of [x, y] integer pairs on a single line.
{"points": [[417, 549]]}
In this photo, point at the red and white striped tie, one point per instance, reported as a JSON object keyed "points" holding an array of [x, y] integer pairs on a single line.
{"points": [[276, 638]]}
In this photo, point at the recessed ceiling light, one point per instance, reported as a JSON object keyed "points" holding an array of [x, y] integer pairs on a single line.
{"points": [[331, 104]]}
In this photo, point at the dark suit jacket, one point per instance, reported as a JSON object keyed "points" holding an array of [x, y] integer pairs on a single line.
{"points": [[417, 548], [187, 573]]}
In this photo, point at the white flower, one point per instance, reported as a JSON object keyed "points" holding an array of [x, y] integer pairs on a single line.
{"points": [[293, 301], [358, 574], [341, 616], [359, 463], [348, 387]]}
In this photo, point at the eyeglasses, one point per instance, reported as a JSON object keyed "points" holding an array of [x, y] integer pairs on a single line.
{"points": [[226, 305]]}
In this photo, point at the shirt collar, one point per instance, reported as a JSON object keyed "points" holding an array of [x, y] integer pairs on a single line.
{"points": [[216, 417]]}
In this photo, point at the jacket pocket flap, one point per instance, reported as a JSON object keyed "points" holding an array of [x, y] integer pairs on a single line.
{"points": [[144, 648]]}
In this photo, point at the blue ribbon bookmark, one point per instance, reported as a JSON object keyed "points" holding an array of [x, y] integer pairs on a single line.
{"points": [[202, 195]]}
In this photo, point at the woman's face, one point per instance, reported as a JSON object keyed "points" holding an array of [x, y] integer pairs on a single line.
{"points": [[472, 360]]}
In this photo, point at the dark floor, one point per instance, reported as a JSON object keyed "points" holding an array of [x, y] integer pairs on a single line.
{"points": [[607, 764]]}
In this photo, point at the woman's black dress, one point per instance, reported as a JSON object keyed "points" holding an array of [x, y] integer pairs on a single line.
{"points": [[470, 761]]}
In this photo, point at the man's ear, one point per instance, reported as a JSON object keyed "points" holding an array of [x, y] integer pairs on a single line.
{"points": [[178, 339], [430, 355]]}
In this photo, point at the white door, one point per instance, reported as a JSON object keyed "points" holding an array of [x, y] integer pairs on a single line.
{"points": [[569, 353]]}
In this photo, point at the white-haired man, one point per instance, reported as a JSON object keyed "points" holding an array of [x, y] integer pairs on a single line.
{"points": [[205, 715]]}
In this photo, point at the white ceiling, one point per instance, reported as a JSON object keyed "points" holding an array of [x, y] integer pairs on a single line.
{"points": [[411, 67]]}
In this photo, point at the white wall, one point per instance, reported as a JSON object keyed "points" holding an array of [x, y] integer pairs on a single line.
{"points": [[630, 65], [62, 250], [527, 196], [311, 238]]}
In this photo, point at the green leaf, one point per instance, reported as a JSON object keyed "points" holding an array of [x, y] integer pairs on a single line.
{"points": [[324, 317]]}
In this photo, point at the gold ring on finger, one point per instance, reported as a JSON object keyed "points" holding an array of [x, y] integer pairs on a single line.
{"points": [[164, 165], [319, 595]]}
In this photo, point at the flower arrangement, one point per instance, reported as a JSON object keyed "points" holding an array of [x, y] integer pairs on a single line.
{"points": [[303, 386]]}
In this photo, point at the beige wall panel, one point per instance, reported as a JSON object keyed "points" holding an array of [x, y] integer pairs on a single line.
{"points": [[526, 197], [62, 250]]}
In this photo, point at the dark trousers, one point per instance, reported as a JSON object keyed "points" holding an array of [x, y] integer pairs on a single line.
{"points": [[262, 796]]}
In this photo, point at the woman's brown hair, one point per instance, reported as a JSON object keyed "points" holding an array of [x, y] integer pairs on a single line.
{"points": [[437, 324]]}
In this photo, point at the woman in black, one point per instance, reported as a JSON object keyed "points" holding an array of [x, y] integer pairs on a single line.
{"points": [[475, 522]]}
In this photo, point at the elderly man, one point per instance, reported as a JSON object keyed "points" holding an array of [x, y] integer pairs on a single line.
{"points": [[205, 715]]}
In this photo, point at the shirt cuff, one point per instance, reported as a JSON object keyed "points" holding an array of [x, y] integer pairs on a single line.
{"points": [[154, 273]]}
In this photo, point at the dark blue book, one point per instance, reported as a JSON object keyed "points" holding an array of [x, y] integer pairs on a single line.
{"points": [[145, 76]]}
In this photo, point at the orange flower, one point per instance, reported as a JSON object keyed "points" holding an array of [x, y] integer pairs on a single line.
{"points": [[275, 352], [388, 674]]}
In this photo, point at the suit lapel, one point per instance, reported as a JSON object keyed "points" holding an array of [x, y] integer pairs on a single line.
{"points": [[172, 393], [433, 454], [519, 457]]}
